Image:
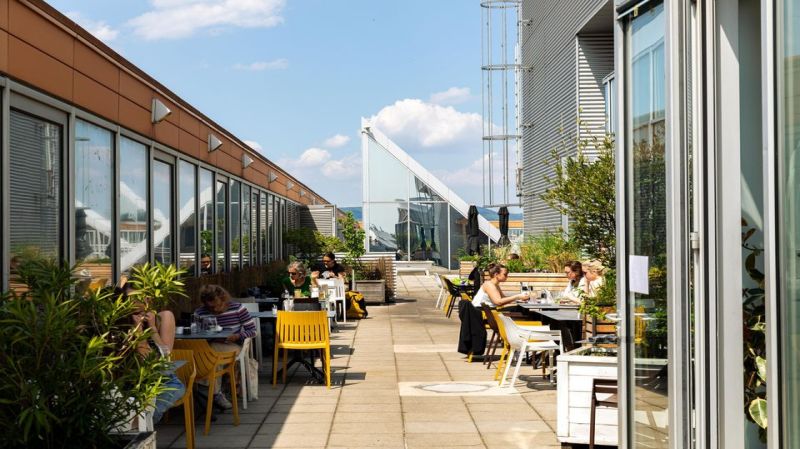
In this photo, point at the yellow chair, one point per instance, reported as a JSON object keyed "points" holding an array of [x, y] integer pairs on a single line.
{"points": [[210, 365], [302, 331], [186, 374], [506, 349]]}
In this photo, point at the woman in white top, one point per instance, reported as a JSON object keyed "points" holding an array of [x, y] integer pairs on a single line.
{"points": [[490, 292], [576, 284], [594, 277]]}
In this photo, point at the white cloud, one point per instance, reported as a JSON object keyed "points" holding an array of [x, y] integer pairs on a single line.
{"points": [[99, 29], [313, 157], [336, 141], [254, 145], [415, 123], [176, 19], [346, 168], [258, 66], [453, 95]]}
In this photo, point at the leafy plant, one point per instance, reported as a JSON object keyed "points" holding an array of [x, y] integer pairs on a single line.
{"points": [[353, 237], [70, 374], [158, 282], [755, 349], [584, 190], [605, 298], [549, 251]]}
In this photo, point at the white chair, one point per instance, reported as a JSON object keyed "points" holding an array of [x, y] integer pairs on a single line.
{"points": [[528, 338], [442, 290], [336, 293], [242, 357], [257, 348]]}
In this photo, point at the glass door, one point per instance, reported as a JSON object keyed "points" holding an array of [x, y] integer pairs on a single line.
{"points": [[646, 226]]}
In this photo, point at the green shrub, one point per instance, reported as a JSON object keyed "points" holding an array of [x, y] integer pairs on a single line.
{"points": [[69, 371], [548, 251]]}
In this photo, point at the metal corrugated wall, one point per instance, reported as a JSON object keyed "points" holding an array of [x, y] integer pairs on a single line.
{"points": [[549, 97], [595, 62], [320, 218]]}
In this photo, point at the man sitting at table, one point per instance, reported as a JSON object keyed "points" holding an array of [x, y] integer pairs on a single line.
{"points": [[233, 317], [329, 269]]}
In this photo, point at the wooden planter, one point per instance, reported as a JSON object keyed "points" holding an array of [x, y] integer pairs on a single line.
{"points": [[373, 291], [593, 326], [555, 282], [576, 369]]}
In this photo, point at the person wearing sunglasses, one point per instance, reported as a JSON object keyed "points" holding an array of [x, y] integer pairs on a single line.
{"points": [[329, 269], [297, 279]]}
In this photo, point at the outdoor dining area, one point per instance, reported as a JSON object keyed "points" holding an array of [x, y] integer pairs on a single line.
{"points": [[539, 321]]}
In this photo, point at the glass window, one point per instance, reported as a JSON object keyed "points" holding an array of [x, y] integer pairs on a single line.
{"points": [[133, 244], [458, 235], [222, 204], [162, 213], [388, 228], [789, 238], [254, 227], [647, 231], [236, 222], [421, 191], [610, 96], [188, 231], [94, 197], [206, 220], [245, 225], [262, 224], [271, 226], [428, 232], [35, 162], [388, 178]]}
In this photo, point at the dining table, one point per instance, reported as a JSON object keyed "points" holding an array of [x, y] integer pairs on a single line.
{"points": [[563, 317], [205, 335]]}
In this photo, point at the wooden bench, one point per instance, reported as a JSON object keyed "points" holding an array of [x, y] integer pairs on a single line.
{"points": [[403, 266]]}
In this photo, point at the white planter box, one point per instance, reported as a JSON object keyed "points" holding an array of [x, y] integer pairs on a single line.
{"points": [[575, 374]]}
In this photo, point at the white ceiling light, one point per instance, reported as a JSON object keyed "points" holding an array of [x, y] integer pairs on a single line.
{"points": [[213, 142], [159, 111], [246, 161], [272, 176]]}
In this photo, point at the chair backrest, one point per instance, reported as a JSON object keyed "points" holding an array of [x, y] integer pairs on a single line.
{"points": [[518, 335], [451, 288], [206, 360], [251, 306], [490, 319], [338, 286], [501, 328], [301, 327], [438, 279], [187, 372]]}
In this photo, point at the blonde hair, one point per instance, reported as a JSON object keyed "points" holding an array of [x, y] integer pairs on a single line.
{"points": [[594, 266]]}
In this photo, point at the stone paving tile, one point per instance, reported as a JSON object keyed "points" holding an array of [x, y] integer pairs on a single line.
{"points": [[364, 408]]}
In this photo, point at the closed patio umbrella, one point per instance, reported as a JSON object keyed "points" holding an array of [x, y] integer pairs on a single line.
{"points": [[473, 232], [503, 213]]}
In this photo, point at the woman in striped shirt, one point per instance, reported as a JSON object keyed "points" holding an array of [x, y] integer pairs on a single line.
{"points": [[232, 316]]}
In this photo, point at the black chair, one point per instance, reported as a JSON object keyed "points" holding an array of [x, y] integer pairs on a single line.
{"points": [[455, 294], [602, 386]]}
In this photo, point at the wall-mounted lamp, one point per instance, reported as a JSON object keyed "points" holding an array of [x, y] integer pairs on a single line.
{"points": [[159, 111], [272, 176], [213, 143], [302, 192], [246, 161], [289, 185]]}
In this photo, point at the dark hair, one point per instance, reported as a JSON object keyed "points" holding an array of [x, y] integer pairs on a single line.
{"points": [[205, 255], [495, 268], [330, 256], [513, 256], [576, 267], [210, 292]]}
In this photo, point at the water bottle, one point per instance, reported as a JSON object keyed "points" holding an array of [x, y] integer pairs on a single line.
{"points": [[194, 327]]}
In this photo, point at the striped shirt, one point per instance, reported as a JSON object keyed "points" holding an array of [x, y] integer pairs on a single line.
{"points": [[235, 318]]}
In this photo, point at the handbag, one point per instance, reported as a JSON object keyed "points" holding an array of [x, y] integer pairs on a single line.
{"points": [[251, 366]]}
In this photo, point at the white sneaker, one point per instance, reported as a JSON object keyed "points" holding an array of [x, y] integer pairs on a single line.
{"points": [[222, 402]]}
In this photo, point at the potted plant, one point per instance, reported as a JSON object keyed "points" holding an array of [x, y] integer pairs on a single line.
{"points": [[70, 375], [370, 283]]}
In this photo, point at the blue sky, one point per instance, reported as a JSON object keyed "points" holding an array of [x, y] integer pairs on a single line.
{"points": [[294, 77]]}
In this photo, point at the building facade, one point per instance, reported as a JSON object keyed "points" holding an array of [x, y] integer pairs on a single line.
{"points": [[104, 167], [567, 57], [407, 211]]}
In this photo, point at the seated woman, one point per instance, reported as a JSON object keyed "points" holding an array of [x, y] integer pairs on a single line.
{"points": [[233, 317], [593, 271], [162, 338], [297, 279], [490, 292], [576, 282]]}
